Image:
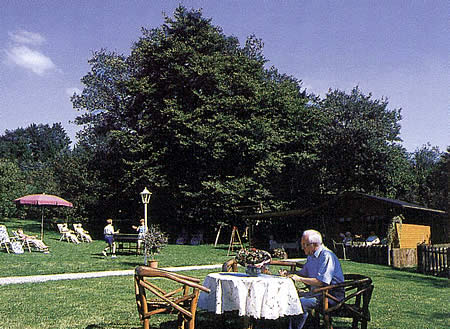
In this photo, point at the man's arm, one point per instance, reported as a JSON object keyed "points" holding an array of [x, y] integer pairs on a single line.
{"points": [[308, 281]]}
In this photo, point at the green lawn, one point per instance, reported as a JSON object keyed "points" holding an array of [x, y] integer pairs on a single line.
{"points": [[401, 299], [67, 257]]}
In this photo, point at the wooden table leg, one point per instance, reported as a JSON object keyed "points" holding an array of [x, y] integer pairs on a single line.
{"points": [[249, 322]]}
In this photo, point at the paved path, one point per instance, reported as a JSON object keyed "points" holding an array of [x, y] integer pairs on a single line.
{"points": [[87, 275]]}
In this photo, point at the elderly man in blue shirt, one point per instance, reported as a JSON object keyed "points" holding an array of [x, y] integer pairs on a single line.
{"points": [[322, 268]]}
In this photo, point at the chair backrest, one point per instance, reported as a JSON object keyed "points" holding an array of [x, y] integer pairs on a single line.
{"points": [[4, 236], [358, 292], [182, 300], [61, 228], [231, 265], [78, 228], [17, 236]]}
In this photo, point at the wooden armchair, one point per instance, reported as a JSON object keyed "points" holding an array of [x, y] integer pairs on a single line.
{"points": [[182, 300], [355, 305], [232, 265]]}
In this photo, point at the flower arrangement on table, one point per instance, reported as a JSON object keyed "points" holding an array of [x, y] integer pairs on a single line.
{"points": [[254, 260]]}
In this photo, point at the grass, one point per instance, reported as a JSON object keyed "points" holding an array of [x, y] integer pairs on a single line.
{"points": [[67, 257], [401, 299]]}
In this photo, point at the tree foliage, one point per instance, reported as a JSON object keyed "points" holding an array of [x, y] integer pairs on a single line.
{"points": [[27, 156], [34, 146], [12, 185], [430, 173], [199, 120], [207, 126], [360, 149]]}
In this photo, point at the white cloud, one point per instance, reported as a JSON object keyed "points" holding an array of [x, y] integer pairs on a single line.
{"points": [[25, 37], [73, 90], [30, 59]]}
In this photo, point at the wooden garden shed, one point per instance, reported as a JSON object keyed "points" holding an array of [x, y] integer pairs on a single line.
{"points": [[355, 212]]}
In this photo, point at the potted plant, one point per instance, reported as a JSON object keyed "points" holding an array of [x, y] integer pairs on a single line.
{"points": [[154, 241], [254, 260]]}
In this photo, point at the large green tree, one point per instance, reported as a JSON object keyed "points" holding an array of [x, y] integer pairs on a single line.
{"points": [[34, 149], [360, 147], [430, 172], [199, 120], [34, 146], [12, 186]]}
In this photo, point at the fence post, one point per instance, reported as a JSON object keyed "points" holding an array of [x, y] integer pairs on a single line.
{"points": [[419, 258], [448, 262]]}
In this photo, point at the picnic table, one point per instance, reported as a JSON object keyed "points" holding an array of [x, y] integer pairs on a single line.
{"points": [[127, 243]]}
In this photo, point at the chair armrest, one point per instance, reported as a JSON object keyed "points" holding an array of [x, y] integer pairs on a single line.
{"points": [[230, 266], [293, 265], [144, 271], [357, 280]]}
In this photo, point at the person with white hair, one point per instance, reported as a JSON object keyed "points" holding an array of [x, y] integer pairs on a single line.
{"points": [[322, 268]]}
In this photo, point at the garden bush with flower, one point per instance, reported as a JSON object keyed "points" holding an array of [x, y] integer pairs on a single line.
{"points": [[154, 241]]}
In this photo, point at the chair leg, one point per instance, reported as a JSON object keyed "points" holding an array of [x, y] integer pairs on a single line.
{"points": [[180, 322], [28, 246], [364, 324], [146, 323], [355, 323], [327, 322]]}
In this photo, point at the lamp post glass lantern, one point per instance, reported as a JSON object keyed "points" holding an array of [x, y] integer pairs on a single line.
{"points": [[145, 195]]}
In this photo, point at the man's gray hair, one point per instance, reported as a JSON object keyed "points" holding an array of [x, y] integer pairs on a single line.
{"points": [[313, 236]]}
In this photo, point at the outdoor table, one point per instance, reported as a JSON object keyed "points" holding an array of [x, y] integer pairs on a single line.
{"points": [[258, 297], [126, 243]]}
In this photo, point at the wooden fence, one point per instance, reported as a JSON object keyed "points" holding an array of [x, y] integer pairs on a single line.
{"points": [[433, 260], [374, 254]]}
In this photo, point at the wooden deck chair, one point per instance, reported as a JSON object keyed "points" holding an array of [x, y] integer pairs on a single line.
{"points": [[355, 305], [31, 242], [81, 233], [67, 234], [183, 300], [23, 241], [5, 240]]}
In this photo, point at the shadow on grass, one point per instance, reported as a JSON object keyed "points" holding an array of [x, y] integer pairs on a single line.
{"points": [[111, 326], [434, 315], [133, 264], [229, 320], [403, 276]]}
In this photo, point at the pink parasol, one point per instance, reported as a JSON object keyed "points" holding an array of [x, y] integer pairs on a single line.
{"points": [[43, 200]]}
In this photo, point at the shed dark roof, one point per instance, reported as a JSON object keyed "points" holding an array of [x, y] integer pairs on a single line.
{"points": [[347, 195], [392, 202]]}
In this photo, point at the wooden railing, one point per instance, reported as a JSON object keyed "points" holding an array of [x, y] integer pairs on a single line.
{"points": [[374, 254], [433, 260]]}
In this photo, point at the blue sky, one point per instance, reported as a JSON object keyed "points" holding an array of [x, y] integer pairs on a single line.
{"points": [[394, 49]]}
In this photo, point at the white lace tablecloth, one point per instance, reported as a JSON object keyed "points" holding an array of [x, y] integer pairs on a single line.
{"points": [[264, 296]]}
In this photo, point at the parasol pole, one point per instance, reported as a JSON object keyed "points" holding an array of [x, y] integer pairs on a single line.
{"points": [[42, 223]]}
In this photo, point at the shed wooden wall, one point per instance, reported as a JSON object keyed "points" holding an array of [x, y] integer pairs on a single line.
{"points": [[411, 235]]}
